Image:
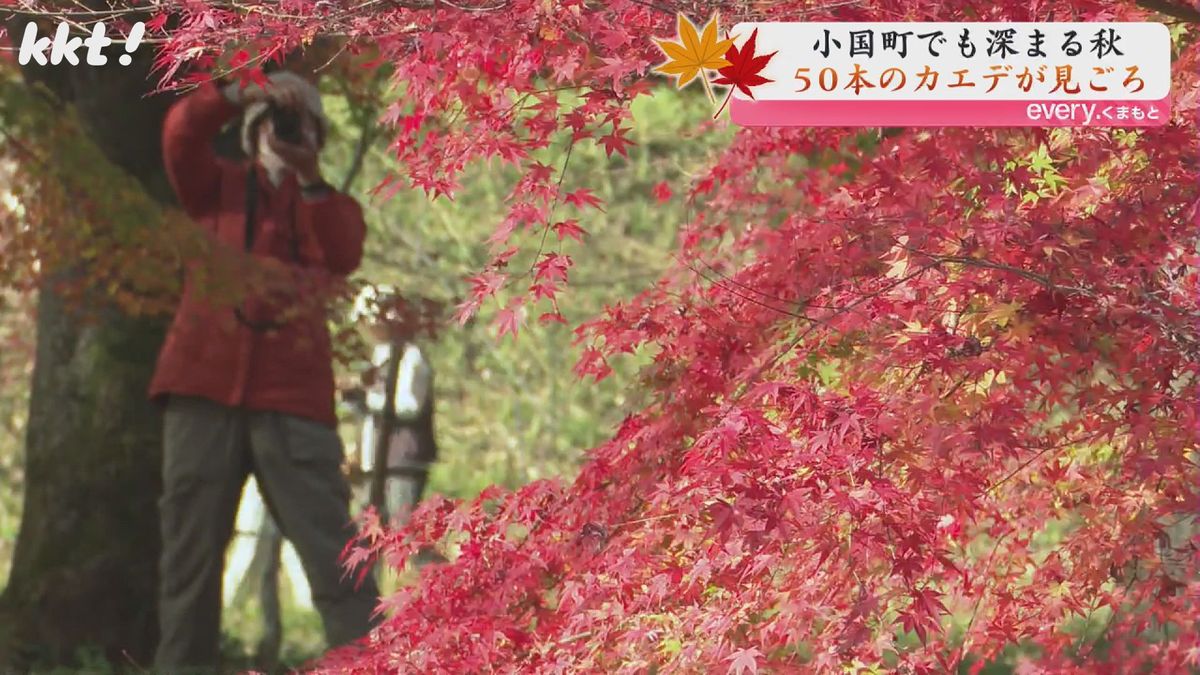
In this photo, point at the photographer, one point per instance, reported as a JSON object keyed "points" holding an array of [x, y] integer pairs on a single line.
{"points": [[248, 385]]}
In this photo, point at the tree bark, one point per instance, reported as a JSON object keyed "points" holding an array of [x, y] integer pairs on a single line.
{"points": [[84, 570]]}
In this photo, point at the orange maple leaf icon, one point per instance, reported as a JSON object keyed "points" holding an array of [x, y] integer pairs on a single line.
{"points": [[694, 53]]}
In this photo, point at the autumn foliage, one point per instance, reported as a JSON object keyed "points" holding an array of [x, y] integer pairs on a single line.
{"points": [[919, 395]]}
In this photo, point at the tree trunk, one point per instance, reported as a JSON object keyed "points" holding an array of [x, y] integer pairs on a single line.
{"points": [[84, 571]]}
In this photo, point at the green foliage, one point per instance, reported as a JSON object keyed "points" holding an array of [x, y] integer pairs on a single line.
{"points": [[512, 411], [16, 362], [242, 628]]}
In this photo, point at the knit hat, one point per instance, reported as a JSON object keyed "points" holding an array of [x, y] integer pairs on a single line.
{"points": [[310, 96]]}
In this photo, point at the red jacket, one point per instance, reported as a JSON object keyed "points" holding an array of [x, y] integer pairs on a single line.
{"points": [[210, 353]]}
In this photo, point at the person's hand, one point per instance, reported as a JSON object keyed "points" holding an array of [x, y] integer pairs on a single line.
{"points": [[301, 158]]}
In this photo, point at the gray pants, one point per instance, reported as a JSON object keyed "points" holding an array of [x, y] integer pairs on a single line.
{"points": [[208, 452]]}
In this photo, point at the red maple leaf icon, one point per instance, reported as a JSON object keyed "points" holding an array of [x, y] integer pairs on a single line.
{"points": [[743, 71]]}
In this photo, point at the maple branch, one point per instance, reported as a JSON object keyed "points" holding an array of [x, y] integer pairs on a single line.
{"points": [[988, 264], [333, 24], [1181, 12], [1024, 465], [792, 344], [365, 137], [367, 134], [1172, 330], [747, 298], [727, 279], [557, 192], [962, 648], [657, 7], [957, 385], [1091, 647]]}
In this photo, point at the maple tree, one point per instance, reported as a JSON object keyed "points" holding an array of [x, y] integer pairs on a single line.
{"points": [[918, 396]]}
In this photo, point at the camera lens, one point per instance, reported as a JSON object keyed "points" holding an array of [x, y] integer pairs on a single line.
{"points": [[286, 124]]}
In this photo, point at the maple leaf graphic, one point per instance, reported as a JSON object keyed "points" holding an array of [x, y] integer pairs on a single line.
{"points": [[743, 70], [694, 52], [744, 67]]}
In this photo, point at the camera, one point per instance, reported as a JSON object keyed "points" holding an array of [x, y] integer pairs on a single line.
{"points": [[286, 122]]}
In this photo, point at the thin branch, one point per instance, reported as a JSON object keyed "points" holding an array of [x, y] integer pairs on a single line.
{"points": [[1024, 465], [1181, 12], [369, 132], [962, 648], [365, 138], [748, 298], [988, 264], [557, 193], [792, 344]]}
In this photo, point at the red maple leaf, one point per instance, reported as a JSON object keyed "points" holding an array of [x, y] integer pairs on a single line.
{"points": [[584, 197], [743, 71], [569, 228], [662, 192], [156, 23], [508, 321], [553, 267], [616, 142], [744, 661]]}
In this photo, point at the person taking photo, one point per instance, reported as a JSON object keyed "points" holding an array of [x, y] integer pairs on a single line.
{"points": [[248, 386]]}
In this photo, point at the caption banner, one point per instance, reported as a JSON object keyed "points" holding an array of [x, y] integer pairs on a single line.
{"points": [[958, 74]]}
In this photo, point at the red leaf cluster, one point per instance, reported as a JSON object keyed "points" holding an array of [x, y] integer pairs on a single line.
{"points": [[947, 386]]}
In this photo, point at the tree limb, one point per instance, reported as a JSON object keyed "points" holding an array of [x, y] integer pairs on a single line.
{"points": [[368, 131], [1173, 9], [365, 137]]}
